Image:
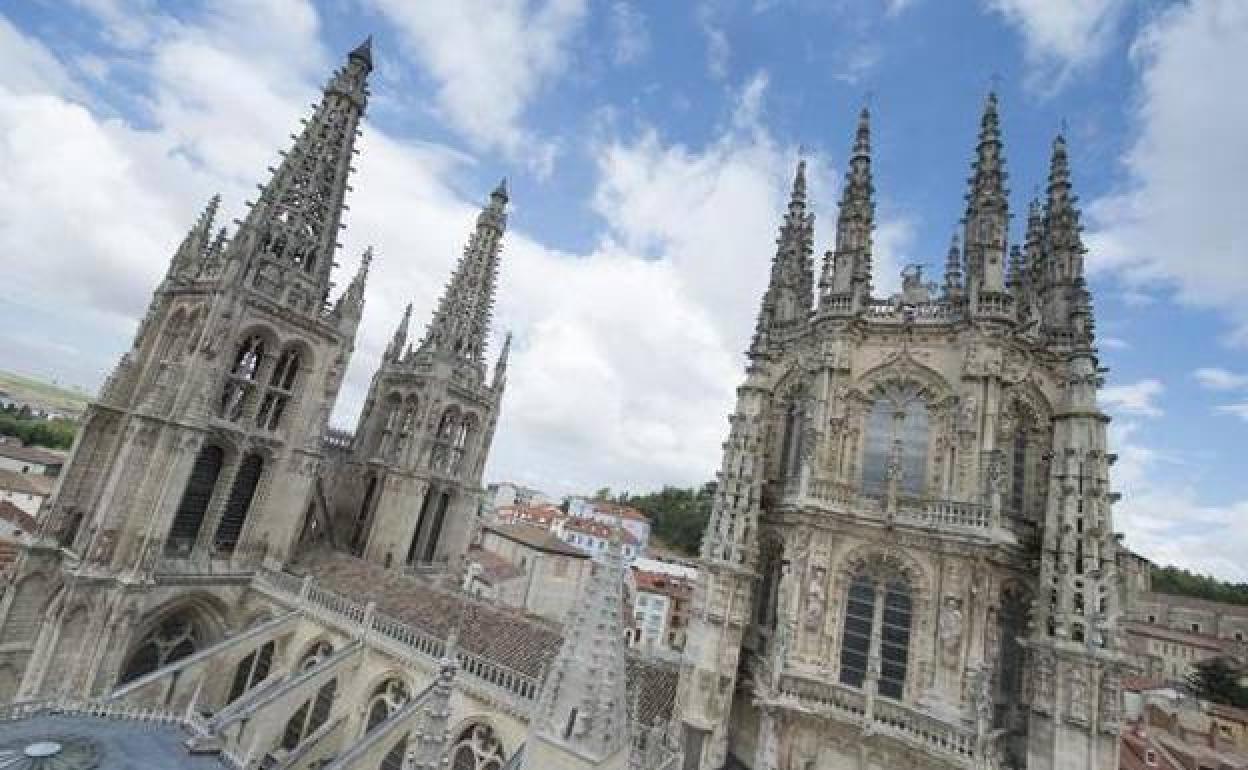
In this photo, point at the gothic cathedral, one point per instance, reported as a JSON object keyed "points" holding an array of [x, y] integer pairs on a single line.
{"points": [[207, 452], [910, 562]]}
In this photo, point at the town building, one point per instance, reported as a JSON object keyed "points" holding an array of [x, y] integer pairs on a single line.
{"points": [[527, 567], [661, 606], [1172, 654], [544, 515], [504, 494], [27, 491], [593, 536], [14, 456], [910, 560], [634, 521]]}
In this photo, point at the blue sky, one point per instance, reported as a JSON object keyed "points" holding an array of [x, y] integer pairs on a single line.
{"points": [[649, 147]]}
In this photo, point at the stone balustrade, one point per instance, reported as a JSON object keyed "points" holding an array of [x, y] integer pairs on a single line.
{"points": [[954, 742], [934, 514], [947, 514]]}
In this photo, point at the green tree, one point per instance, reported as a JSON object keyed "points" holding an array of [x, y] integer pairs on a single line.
{"points": [[1217, 680], [1181, 582], [678, 516]]}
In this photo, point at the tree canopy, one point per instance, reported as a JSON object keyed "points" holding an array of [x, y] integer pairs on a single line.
{"points": [[1217, 680], [1181, 582], [55, 433], [677, 516]]}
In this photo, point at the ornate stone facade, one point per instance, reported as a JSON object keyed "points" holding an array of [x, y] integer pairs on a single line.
{"points": [[912, 517]]}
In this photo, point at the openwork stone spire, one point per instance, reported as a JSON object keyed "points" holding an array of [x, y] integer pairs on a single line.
{"points": [[1062, 229], [583, 707], [295, 221], [462, 320], [197, 243], [399, 341], [790, 291], [953, 267], [987, 206]]}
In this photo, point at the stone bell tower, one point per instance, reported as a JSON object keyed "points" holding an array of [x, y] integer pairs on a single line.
{"points": [[203, 448], [411, 491]]}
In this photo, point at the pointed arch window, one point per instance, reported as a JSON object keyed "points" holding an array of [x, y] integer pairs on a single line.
{"points": [[278, 394], [477, 748], [239, 503], [898, 432], [879, 617], [394, 757], [240, 383], [390, 696], [252, 670], [174, 638], [791, 447], [200, 487]]}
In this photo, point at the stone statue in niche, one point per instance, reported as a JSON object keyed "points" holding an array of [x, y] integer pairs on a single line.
{"points": [[967, 415], [992, 636], [1111, 700], [1077, 700], [950, 629], [1042, 684], [815, 598]]}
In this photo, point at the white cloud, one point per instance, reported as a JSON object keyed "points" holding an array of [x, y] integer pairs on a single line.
{"points": [[490, 60], [1239, 410], [1215, 378], [718, 49], [1137, 398], [1060, 36], [1177, 223], [1114, 343], [630, 38]]}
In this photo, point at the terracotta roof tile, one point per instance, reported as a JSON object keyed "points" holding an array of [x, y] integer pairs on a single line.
{"points": [[535, 537], [495, 632], [17, 517], [26, 483], [31, 454]]}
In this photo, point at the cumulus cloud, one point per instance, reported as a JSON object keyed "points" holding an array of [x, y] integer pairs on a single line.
{"points": [[490, 60], [1177, 223], [630, 37], [1136, 398], [1215, 378], [1060, 36]]}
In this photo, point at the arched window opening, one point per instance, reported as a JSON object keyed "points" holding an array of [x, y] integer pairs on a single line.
{"points": [[406, 424], [791, 446], [394, 757], [322, 706], [316, 654], [361, 521], [477, 748], [444, 458], [240, 383], [435, 530], [1018, 473], [292, 736], [1012, 625], [867, 623], [189, 517], [431, 496], [251, 671], [174, 638], [897, 442], [390, 696], [239, 503], [389, 426], [278, 394], [856, 635]]}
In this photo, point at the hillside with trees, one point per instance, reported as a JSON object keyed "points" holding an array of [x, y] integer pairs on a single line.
{"points": [[1181, 582], [677, 516]]}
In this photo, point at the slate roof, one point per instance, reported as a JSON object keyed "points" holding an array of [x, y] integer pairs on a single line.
{"points": [[535, 537], [30, 454], [501, 634]]}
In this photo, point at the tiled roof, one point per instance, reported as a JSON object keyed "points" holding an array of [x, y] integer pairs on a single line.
{"points": [[596, 528], [17, 517], [498, 633], [1136, 743], [1207, 641], [26, 483], [535, 537], [494, 568], [623, 511], [31, 454], [655, 582]]}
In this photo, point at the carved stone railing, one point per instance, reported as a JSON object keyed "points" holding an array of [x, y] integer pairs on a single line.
{"points": [[337, 439], [505, 685], [935, 311], [116, 710], [947, 514], [953, 742]]}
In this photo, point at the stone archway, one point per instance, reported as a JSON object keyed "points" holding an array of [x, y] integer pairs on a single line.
{"points": [[477, 747]]}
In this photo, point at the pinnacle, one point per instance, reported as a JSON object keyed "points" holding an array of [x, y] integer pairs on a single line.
{"points": [[862, 139], [501, 191], [364, 52], [799, 184]]}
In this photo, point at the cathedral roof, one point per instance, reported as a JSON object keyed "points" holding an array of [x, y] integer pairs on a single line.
{"points": [[500, 634], [97, 743]]}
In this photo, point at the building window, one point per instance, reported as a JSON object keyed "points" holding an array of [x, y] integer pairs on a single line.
{"points": [[239, 503], [897, 427], [252, 670], [195, 498], [174, 638], [241, 381], [866, 590], [310, 716], [1195, 628], [477, 748], [390, 696], [277, 395], [394, 758]]}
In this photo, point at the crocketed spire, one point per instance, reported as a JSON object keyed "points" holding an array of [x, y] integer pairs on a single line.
{"points": [[790, 291], [196, 245], [399, 341], [462, 320], [953, 266], [847, 267], [295, 222], [1062, 230], [987, 206]]}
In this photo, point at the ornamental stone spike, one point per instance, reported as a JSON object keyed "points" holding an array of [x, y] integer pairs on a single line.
{"points": [[790, 290], [987, 207], [399, 341], [847, 266], [462, 319], [197, 242]]}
